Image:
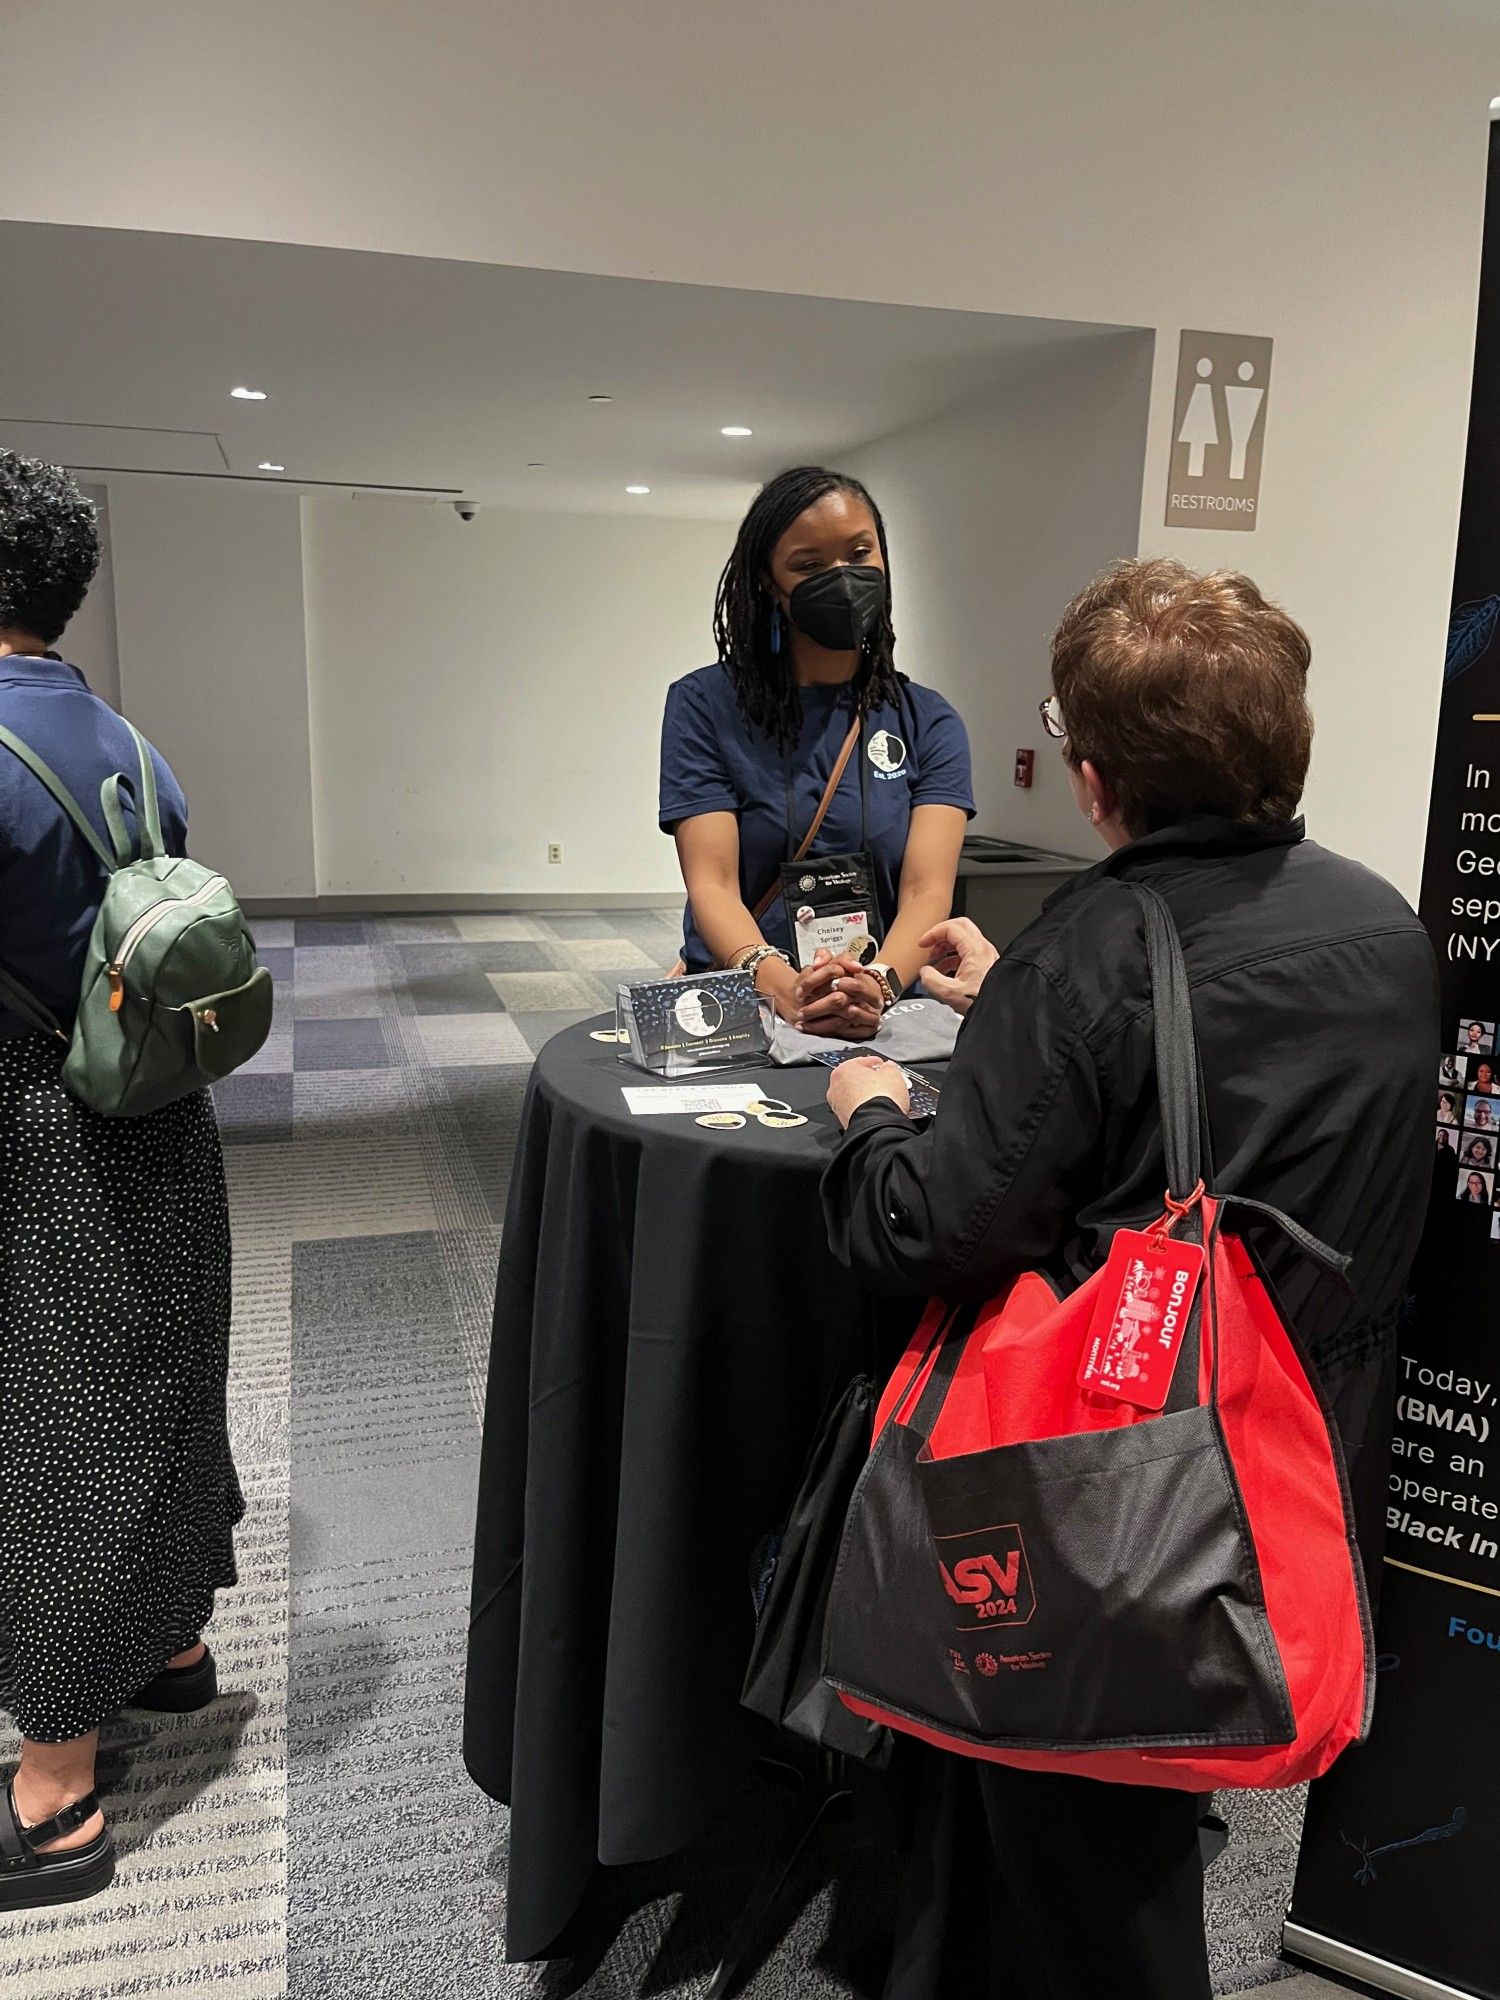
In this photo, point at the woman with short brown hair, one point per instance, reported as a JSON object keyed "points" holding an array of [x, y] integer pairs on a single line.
{"points": [[1180, 708], [1190, 690]]}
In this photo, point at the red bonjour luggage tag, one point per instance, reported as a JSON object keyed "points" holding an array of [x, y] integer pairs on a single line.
{"points": [[1146, 1293]]}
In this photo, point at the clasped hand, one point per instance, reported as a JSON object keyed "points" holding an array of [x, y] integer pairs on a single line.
{"points": [[836, 996]]}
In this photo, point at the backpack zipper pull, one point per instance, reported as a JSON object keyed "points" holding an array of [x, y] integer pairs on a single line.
{"points": [[116, 977]]}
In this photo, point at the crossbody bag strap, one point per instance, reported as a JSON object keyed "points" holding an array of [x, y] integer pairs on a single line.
{"points": [[840, 765], [60, 792]]}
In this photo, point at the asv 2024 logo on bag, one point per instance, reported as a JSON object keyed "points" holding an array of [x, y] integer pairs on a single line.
{"points": [[986, 1574]]}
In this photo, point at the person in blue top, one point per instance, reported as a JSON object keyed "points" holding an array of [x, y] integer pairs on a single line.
{"points": [[807, 656], [118, 1494]]}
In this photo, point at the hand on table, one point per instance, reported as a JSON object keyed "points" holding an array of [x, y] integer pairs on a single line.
{"points": [[961, 956], [839, 998], [859, 1080]]}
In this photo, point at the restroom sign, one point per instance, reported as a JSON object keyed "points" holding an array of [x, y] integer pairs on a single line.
{"points": [[1218, 430]]}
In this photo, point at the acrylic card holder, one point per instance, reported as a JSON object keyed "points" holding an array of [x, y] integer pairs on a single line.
{"points": [[678, 1027]]}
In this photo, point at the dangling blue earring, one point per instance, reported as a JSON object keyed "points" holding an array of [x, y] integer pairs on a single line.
{"points": [[775, 628]]}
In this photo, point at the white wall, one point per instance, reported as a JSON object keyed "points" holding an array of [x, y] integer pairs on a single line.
{"points": [[996, 514], [1310, 169], [372, 698], [480, 690], [208, 607], [90, 641]]}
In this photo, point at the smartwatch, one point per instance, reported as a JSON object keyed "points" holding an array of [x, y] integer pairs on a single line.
{"points": [[888, 981]]}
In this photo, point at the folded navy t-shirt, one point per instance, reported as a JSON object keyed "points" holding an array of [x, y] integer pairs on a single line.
{"points": [[915, 753]]}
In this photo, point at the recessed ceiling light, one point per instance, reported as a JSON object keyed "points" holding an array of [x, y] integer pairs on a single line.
{"points": [[601, 399], [266, 466], [249, 395], [637, 489], [736, 431]]}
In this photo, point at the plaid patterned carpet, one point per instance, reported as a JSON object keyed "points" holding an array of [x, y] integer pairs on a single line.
{"points": [[314, 1834]]}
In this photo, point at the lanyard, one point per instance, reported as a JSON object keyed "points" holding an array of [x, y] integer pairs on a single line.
{"points": [[793, 838]]}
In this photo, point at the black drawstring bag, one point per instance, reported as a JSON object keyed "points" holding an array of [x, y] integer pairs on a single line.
{"points": [[792, 1575]]}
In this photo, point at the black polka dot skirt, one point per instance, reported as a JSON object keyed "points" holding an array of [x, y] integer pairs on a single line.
{"points": [[118, 1494]]}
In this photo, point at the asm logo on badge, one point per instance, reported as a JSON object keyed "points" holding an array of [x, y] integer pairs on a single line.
{"points": [[986, 1574]]}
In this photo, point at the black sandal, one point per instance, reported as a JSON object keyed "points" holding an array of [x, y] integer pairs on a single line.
{"points": [[29, 1879], [180, 1690]]}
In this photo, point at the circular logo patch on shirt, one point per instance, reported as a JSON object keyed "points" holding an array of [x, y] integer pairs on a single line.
{"points": [[698, 1012], [887, 752], [807, 884]]}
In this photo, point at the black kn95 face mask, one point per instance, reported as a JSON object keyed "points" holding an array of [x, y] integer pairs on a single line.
{"points": [[838, 608]]}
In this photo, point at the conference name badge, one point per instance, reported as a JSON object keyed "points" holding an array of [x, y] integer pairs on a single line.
{"points": [[1146, 1294], [830, 906], [839, 931]]}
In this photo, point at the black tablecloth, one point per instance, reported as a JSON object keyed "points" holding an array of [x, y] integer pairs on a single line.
{"points": [[669, 1324]]}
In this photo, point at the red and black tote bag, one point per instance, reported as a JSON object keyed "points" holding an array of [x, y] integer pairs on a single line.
{"points": [[1040, 1569]]}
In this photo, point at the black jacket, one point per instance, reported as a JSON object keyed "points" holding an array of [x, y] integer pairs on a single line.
{"points": [[1315, 997]]}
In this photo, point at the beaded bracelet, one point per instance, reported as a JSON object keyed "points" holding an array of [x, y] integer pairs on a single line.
{"points": [[754, 956]]}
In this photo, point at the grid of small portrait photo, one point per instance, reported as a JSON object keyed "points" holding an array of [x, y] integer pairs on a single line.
{"points": [[1482, 1114], [1476, 1038], [1453, 1072], [1476, 1186]]}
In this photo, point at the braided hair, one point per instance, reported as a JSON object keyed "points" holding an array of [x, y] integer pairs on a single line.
{"points": [[764, 686], [49, 546]]}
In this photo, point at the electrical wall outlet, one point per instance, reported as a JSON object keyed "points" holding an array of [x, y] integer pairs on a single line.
{"points": [[554, 852]]}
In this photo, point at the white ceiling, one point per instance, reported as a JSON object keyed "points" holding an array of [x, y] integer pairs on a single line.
{"points": [[120, 349]]}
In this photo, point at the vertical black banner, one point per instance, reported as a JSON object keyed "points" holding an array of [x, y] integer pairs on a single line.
{"points": [[1399, 1878]]}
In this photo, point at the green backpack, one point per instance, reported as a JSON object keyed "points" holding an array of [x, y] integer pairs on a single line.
{"points": [[172, 996]]}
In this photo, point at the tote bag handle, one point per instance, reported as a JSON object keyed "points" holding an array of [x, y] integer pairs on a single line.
{"points": [[1179, 1090], [1179, 1084], [1179, 1079], [1180, 1097]]}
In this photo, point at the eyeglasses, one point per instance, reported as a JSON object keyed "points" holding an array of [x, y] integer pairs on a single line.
{"points": [[1052, 720]]}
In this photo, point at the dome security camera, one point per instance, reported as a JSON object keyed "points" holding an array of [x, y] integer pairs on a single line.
{"points": [[466, 509]]}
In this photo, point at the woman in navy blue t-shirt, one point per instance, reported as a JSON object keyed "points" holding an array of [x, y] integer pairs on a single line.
{"points": [[806, 651]]}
